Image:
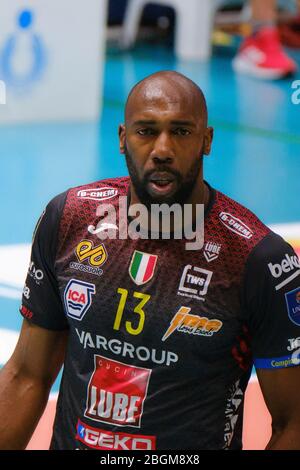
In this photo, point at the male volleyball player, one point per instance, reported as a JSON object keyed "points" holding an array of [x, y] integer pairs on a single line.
{"points": [[156, 340]]}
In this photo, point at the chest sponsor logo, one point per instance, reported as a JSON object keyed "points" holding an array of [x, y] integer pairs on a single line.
{"points": [[292, 299], [95, 256], [98, 194], [116, 393], [212, 251], [235, 225], [100, 439], [78, 298], [194, 282], [142, 267], [127, 350], [185, 322], [286, 266]]}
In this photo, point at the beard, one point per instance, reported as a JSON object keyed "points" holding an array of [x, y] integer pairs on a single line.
{"points": [[184, 185]]}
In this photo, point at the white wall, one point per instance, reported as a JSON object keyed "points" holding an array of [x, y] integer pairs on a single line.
{"points": [[52, 68]]}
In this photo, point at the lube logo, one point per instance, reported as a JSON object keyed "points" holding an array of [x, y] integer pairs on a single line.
{"points": [[116, 392], [288, 264]]}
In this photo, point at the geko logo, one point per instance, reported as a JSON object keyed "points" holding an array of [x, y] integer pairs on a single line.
{"points": [[98, 194], [78, 298], [100, 439], [235, 225]]}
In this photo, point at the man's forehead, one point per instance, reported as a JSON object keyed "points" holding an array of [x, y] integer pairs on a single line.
{"points": [[163, 97]]}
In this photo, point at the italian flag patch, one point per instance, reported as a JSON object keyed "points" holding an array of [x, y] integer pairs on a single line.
{"points": [[142, 267]]}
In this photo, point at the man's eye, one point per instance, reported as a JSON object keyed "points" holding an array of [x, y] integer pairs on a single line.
{"points": [[146, 132], [181, 131]]}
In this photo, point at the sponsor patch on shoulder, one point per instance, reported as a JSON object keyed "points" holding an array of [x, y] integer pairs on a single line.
{"points": [[98, 194], [235, 225], [292, 299]]}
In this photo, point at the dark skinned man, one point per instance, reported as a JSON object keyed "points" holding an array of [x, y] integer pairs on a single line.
{"points": [[157, 341]]}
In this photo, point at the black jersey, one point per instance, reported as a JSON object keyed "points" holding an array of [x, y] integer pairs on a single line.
{"points": [[161, 339]]}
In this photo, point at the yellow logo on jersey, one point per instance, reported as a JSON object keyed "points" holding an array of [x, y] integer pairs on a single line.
{"points": [[96, 255], [193, 324]]}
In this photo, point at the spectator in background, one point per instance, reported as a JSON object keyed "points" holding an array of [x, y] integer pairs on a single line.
{"points": [[289, 30], [262, 54]]}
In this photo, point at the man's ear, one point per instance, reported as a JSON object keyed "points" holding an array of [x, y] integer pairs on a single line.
{"points": [[208, 138], [122, 138]]}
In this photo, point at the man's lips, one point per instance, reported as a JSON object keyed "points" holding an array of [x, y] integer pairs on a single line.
{"points": [[162, 183], [161, 178]]}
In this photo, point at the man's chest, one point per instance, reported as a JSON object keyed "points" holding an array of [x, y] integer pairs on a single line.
{"points": [[151, 293]]}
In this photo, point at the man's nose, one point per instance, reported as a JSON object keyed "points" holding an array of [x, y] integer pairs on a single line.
{"points": [[163, 150]]}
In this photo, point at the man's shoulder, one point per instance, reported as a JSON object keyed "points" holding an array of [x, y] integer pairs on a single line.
{"points": [[241, 223], [92, 194], [79, 202], [247, 238], [79, 206], [96, 192], [101, 190]]}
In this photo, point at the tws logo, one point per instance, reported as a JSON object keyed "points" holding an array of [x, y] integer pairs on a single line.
{"points": [[296, 94], [2, 92]]}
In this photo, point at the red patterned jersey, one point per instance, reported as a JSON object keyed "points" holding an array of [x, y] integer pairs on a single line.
{"points": [[161, 339]]}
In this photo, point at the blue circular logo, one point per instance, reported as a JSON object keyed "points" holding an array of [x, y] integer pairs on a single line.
{"points": [[25, 19], [36, 48]]}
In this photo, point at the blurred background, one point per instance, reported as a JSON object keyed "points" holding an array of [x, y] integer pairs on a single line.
{"points": [[66, 67]]}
